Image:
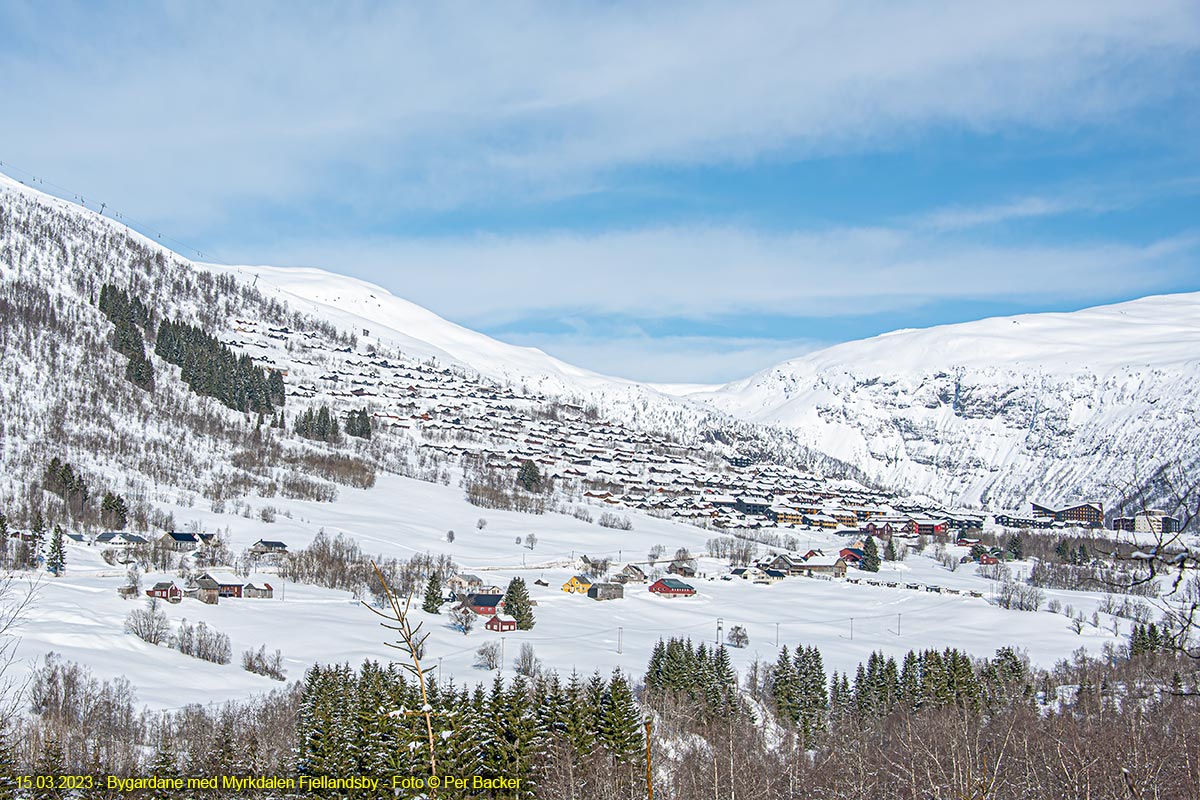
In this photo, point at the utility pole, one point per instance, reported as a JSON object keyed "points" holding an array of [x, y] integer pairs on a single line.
{"points": [[852, 629], [777, 634], [720, 627], [649, 770], [620, 637], [502, 638], [897, 623]]}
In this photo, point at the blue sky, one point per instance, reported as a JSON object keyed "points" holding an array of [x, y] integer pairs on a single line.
{"points": [[681, 192]]}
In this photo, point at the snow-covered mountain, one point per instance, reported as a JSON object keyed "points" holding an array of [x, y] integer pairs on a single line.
{"points": [[996, 412], [1055, 406], [342, 343]]}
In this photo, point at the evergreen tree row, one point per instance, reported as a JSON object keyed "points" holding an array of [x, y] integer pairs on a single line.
{"points": [[367, 722], [320, 424], [63, 480], [358, 423], [211, 369], [702, 675], [131, 324], [798, 689], [1144, 639]]}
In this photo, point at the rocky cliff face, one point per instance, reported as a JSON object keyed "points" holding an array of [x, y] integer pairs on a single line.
{"points": [[1001, 411]]}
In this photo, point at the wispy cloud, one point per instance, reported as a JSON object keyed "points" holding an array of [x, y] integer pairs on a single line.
{"points": [[705, 273], [668, 359], [960, 218], [391, 106]]}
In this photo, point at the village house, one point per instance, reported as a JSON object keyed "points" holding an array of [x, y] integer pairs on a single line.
{"points": [[267, 547], [463, 584], [577, 584], [770, 576], [227, 585], [682, 568], [206, 590], [180, 541], [852, 555], [166, 590], [261, 591], [631, 573], [833, 566], [485, 605], [119, 539]]}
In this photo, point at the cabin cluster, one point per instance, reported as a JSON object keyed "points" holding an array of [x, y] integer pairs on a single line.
{"points": [[210, 587]]}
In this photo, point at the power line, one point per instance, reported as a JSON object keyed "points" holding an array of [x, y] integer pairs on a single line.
{"points": [[181, 248]]}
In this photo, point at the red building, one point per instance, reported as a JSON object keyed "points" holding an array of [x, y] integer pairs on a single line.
{"points": [[671, 587], [166, 590], [485, 604], [501, 623]]}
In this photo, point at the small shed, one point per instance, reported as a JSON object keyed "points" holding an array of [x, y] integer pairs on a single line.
{"points": [[606, 591], [502, 623]]}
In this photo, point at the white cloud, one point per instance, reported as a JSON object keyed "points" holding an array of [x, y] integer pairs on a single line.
{"points": [[702, 273], [667, 359], [394, 105]]}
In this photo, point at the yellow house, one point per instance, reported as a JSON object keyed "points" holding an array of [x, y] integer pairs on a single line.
{"points": [[577, 584]]}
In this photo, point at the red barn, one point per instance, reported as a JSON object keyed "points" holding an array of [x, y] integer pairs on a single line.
{"points": [[988, 559], [501, 623], [671, 587]]}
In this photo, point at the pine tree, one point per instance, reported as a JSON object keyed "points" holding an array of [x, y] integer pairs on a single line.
{"points": [[889, 552], [870, 561], [529, 477], [1016, 547], [517, 605], [114, 513], [56, 560], [433, 596]]}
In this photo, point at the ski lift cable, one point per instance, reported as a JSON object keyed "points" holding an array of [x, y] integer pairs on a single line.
{"points": [[129, 222]]}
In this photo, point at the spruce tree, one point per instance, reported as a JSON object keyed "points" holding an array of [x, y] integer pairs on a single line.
{"points": [[910, 681], [517, 605], [56, 560], [784, 687], [656, 669], [8, 767], [620, 728], [37, 530], [1016, 547], [164, 766], [529, 477], [889, 552], [433, 596], [50, 761], [870, 561]]}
